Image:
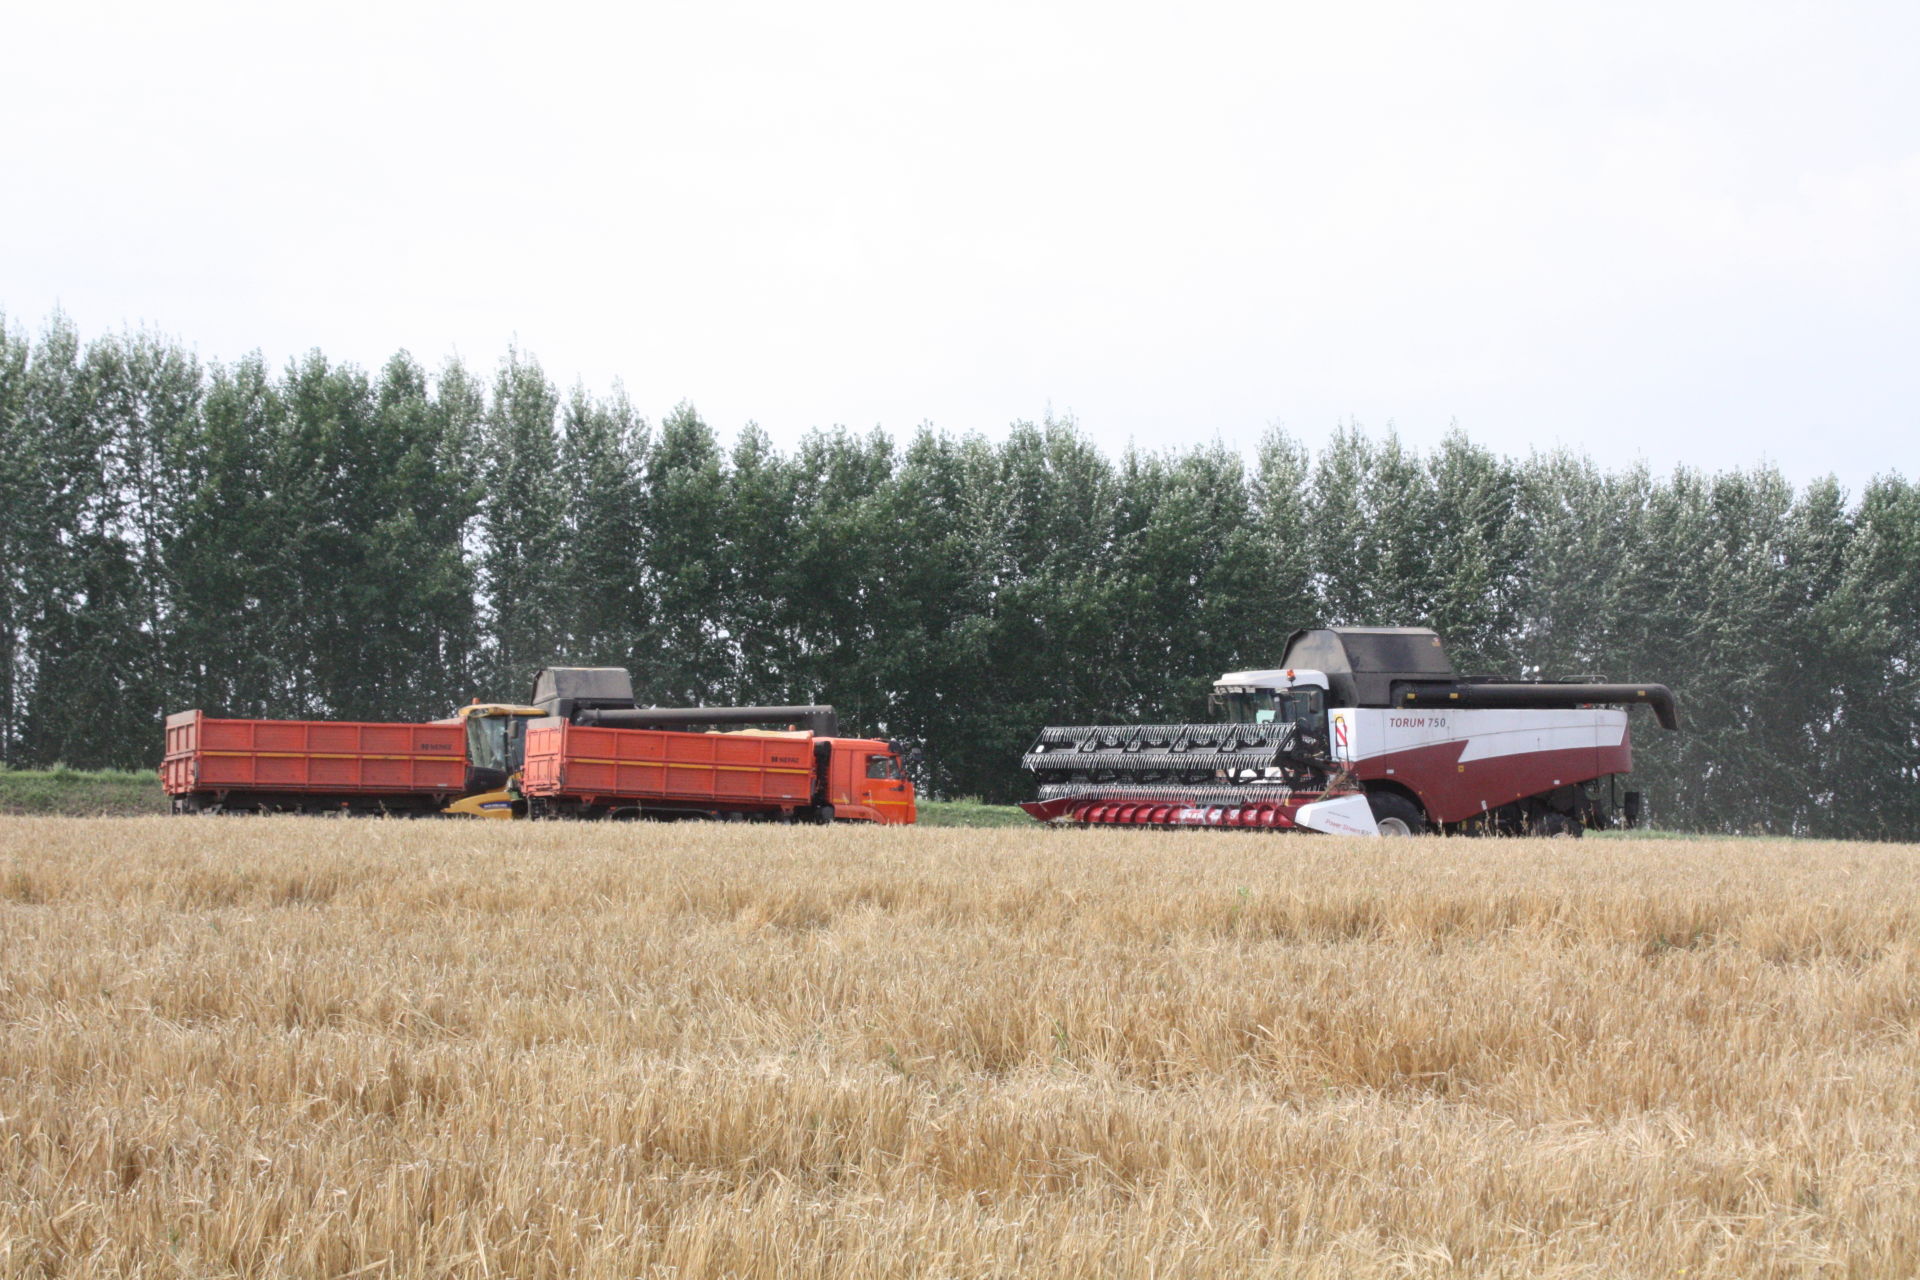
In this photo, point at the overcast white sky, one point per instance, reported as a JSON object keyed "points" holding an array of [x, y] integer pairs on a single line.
{"points": [[1683, 232]]}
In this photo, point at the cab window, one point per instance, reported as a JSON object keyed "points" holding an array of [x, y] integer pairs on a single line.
{"points": [[1243, 706], [496, 742], [1305, 707], [883, 767]]}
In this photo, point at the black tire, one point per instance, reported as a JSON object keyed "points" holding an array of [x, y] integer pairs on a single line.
{"points": [[1396, 815], [1559, 824]]}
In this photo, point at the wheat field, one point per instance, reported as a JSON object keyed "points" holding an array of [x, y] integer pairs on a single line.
{"points": [[303, 1047]]}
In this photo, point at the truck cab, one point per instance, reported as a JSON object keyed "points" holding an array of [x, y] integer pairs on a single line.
{"points": [[863, 780]]}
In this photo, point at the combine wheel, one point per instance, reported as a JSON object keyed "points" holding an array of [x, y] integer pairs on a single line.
{"points": [[1396, 815], [1558, 824]]}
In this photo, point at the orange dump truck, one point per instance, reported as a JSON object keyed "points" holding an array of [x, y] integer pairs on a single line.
{"points": [[312, 764], [591, 771], [583, 747]]}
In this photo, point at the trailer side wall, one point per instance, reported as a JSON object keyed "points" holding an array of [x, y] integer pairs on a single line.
{"points": [[727, 771], [205, 755]]}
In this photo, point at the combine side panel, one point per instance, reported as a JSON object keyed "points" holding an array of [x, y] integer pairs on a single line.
{"points": [[1462, 763]]}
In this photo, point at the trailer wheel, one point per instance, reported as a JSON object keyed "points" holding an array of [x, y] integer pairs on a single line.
{"points": [[1396, 815]]}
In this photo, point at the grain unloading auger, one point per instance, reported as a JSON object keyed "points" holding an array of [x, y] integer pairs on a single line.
{"points": [[1367, 731]]}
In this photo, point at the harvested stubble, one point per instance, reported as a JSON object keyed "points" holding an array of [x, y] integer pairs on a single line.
{"points": [[304, 1047]]}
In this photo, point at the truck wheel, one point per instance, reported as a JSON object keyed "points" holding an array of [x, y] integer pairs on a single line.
{"points": [[1396, 815]]}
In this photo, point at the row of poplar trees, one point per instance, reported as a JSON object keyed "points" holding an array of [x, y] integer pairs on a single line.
{"points": [[322, 541]]}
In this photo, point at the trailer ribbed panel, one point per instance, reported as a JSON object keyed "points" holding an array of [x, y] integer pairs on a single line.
{"points": [[635, 767], [326, 757]]}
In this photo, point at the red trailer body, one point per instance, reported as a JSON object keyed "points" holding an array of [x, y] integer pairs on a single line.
{"points": [[308, 764], [594, 771]]}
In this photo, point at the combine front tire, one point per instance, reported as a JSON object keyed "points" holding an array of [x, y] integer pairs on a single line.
{"points": [[1396, 815]]}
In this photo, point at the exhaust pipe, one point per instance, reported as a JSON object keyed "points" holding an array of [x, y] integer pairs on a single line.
{"points": [[1539, 697]]}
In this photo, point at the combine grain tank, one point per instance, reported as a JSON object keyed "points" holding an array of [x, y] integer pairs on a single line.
{"points": [[1361, 730]]}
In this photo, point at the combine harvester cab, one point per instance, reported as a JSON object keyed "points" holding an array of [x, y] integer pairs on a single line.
{"points": [[496, 741], [1367, 731]]}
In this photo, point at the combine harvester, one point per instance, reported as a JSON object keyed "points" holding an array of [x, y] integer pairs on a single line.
{"points": [[1362, 731], [582, 748]]}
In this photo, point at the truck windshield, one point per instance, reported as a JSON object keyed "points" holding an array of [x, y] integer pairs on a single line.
{"points": [[1264, 706], [496, 742]]}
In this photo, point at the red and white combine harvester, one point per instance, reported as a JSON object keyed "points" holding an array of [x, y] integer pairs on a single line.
{"points": [[1361, 731]]}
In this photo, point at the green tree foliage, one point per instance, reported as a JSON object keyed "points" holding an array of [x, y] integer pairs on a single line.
{"points": [[20, 537], [838, 560], [688, 566], [425, 499], [1869, 719], [1038, 521], [230, 587], [319, 541], [102, 420], [1476, 553], [1183, 598], [934, 634], [522, 524], [595, 588], [758, 598]]}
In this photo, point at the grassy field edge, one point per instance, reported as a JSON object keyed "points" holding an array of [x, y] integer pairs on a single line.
{"points": [[81, 793]]}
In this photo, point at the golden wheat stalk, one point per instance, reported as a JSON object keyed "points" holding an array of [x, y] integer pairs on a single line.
{"points": [[310, 1047]]}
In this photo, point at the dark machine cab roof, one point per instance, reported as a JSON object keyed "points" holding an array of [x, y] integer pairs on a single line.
{"points": [[1362, 663]]}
